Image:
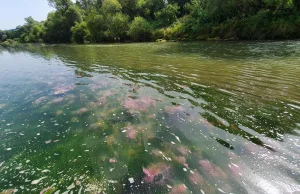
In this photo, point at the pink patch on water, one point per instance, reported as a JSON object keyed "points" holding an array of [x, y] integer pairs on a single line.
{"points": [[150, 174], [174, 109], [45, 189], [49, 141], [156, 152], [56, 100], [112, 160], [157, 173], [235, 169], [141, 104], [131, 133], [232, 156], [212, 169], [108, 93], [103, 99], [81, 111], [182, 150], [181, 160], [179, 189], [62, 89], [196, 178], [40, 100], [78, 183]]}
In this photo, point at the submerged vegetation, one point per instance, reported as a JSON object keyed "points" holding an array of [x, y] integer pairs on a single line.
{"points": [[94, 21], [76, 121]]}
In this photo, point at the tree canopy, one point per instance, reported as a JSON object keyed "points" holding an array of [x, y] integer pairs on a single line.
{"points": [[145, 20]]}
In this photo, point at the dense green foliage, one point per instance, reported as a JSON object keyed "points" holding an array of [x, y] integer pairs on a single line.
{"points": [[146, 20]]}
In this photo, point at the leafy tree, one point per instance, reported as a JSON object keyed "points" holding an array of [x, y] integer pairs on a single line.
{"points": [[3, 36], [97, 26], [119, 25], [147, 8], [140, 29], [297, 4], [181, 4], [80, 32], [31, 31], [141, 20], [129, 7], [60, 5], [56, 31], [111, 6], [58, 25], [167, 15], [72, 15]]}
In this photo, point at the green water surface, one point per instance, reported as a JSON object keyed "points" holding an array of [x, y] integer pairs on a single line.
{"points": [[206, 117]]}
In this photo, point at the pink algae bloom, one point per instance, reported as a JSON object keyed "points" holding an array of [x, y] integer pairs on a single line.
{"points": [[49, 141], [81, 111], [78, 182], [196, 178], [132, 131], [212, 169], [56, 100], [139, 105], [59, 91], [182, 150], [112, 160], [108, 93], [232, 156], [103, 99], [156, 153], [156, 173], [174, 109], [235, 169], [94, 87], [45, 189], [62, 89], [181, 160], [179, 189], [40, 100]]}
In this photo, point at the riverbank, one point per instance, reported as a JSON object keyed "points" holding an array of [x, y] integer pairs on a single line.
{"points": [[265, 22], [15, 44]]}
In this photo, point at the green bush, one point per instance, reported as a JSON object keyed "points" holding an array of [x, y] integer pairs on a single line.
{"points": [[140, 29], [177, 30], [119, 25], [146, 20], [174, 32], [80, 32], [9, 42], [17, 39], [158, 34]]}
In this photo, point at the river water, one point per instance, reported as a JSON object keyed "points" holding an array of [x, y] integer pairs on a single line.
{"points": [[198, 117]]}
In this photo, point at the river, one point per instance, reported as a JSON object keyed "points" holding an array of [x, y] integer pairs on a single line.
{"points": [[194, 117]]}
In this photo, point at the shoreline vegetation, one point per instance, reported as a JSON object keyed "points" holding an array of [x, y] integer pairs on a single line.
{"points": [[109, 21], [18, 45]]}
